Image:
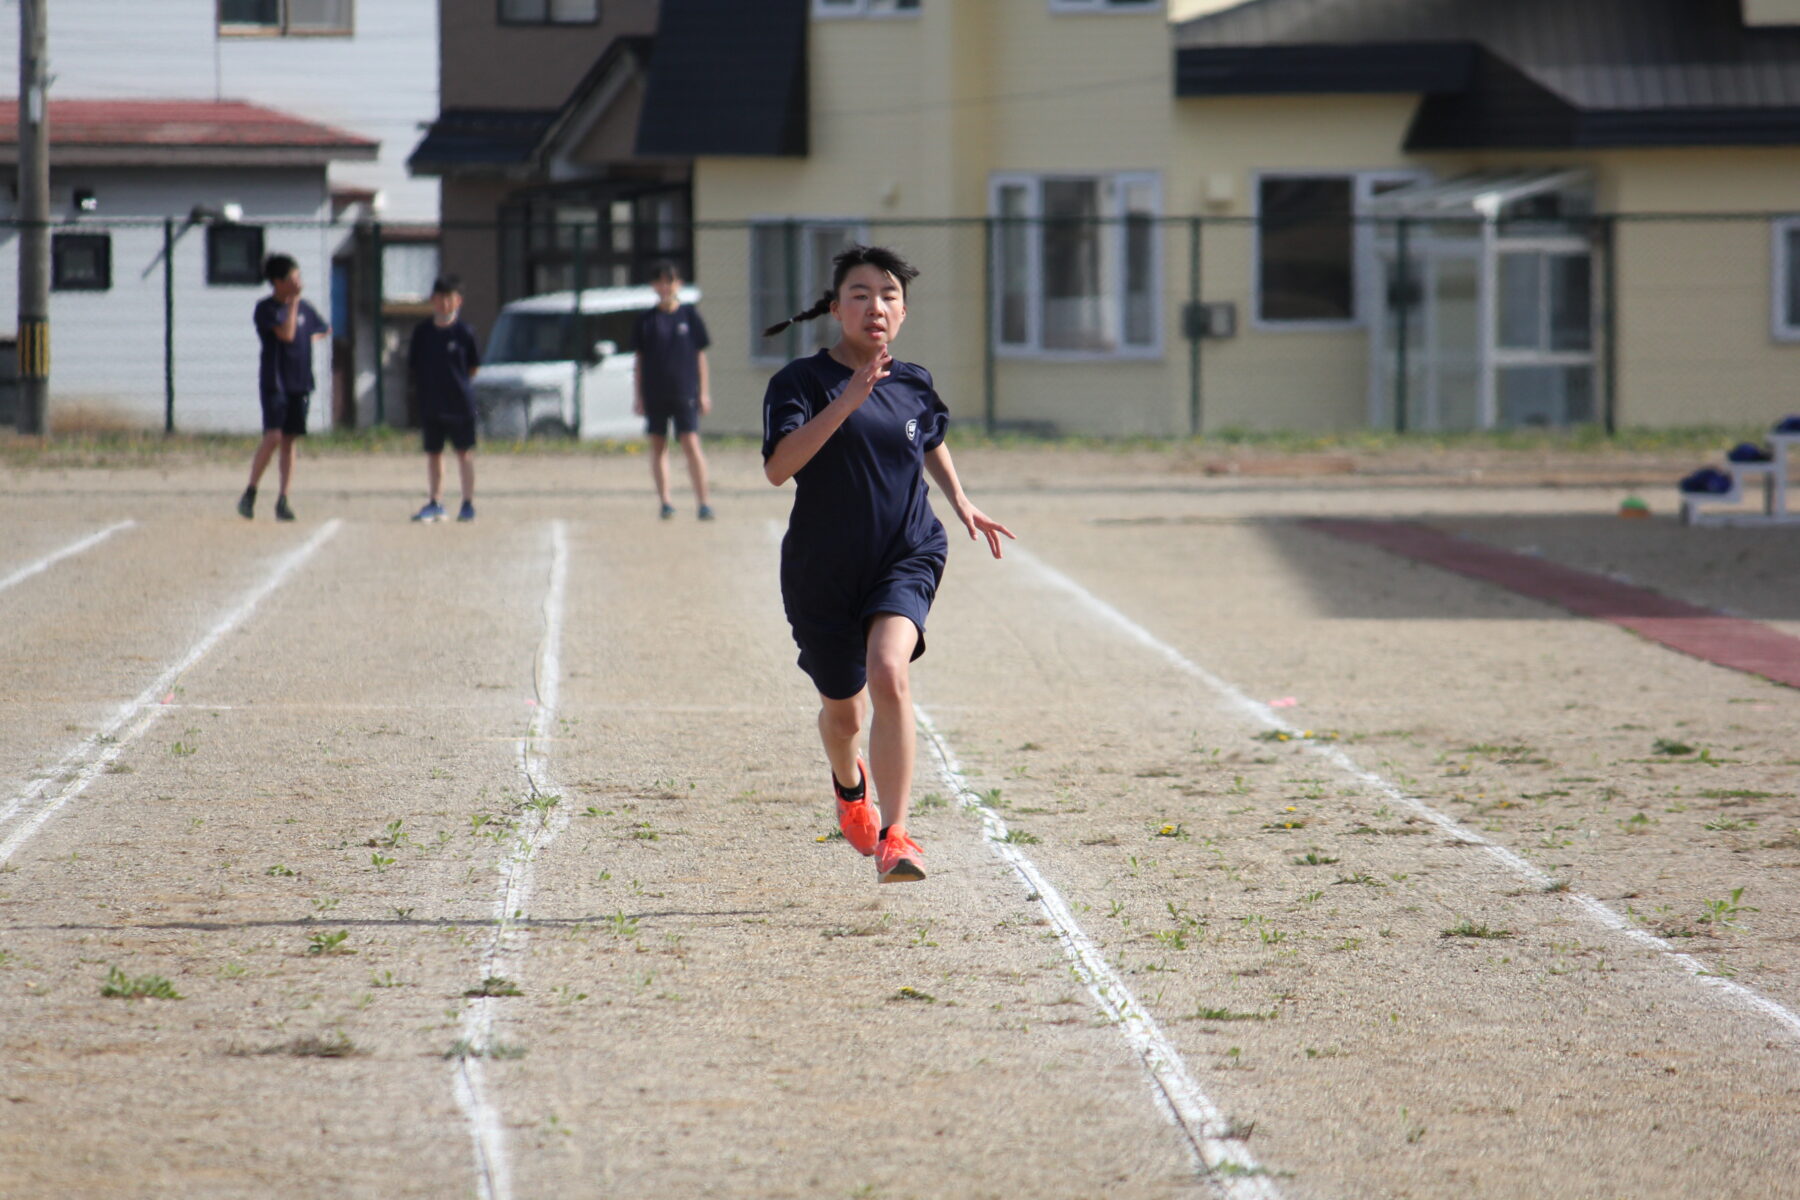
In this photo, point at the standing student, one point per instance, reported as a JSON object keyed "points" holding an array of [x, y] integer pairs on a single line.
{"points": [[669, 383], [443, 358], [287, 326], [857, 430]]}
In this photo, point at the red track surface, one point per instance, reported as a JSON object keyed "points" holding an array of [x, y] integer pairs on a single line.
{"points": [[1727, 641]]}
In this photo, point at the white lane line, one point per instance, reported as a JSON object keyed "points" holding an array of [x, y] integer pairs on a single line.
{"points": [[1224, 1160], [78, 768], [73, 548], [487, 1129], [1261, 714]]}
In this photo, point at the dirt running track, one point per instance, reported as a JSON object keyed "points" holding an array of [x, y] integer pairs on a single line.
{"points": [[1464, 920]]}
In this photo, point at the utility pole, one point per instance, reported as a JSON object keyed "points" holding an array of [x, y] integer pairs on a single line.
{"points": [[34, 222]]}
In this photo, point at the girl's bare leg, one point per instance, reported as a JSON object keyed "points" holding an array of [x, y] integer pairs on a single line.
{"points": [[696, 464], [465, 468], [659, 466], [840, 729], [892, 746], [284, 461], [265, 450]]}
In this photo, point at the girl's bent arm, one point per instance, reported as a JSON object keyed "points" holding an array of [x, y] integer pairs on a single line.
{"points": [[978, 523], [796, 449]]}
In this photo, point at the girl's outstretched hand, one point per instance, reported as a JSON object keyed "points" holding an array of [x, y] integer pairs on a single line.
{"points": [[979, 524]]}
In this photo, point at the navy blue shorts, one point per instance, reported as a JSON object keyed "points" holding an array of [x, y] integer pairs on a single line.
{"points": [[285, 413], [684, 413], [835, 652], [458, 431]]}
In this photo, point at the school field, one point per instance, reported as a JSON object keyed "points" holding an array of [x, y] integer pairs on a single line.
{"points": [[496, 860]]}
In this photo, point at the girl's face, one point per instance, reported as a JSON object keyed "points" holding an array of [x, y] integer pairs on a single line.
{"points": [[871, 306]]}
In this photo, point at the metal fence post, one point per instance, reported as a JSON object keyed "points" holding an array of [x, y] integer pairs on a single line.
{"points": [[1400, 302], [1196, 414], [378, 286], [168, 325], [990, 399], [578, 343], [1609, 323]]}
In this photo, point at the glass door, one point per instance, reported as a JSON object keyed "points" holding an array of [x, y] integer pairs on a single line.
{"points": [[1544, 344]]}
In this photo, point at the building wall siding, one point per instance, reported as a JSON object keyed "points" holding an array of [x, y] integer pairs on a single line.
{"points": [[107, 347], [912, 117], [480, 56], [382, 82]]}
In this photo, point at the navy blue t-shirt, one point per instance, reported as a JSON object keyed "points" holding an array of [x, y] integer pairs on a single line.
{"points": [[668, 354], [286, 366], [441, 357], [860, 503]]}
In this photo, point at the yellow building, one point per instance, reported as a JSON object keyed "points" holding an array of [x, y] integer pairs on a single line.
{"points": [[1135, 217]]}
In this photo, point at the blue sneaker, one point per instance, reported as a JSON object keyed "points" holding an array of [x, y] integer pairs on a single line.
{"points": [[433, 511], [467, 512], [668, 510], [706, 512]]}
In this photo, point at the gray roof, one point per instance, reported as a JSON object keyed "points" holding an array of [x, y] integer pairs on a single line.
{"points": [[1611, 55]]}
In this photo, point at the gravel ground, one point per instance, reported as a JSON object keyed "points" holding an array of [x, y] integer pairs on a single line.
{"points": [[306, 830]]}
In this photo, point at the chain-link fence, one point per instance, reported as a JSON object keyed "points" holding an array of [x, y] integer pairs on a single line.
{"points": [[1139, 326]]}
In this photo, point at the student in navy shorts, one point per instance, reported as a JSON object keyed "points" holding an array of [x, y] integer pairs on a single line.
{"points": [[857, 430], [669, 383], [287, 327], [443, 358]]}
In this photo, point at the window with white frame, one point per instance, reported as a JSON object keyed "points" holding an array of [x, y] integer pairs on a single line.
{"points": [[408, 270], [1076, 264], [1103, 5], [1312, 253], [866, 8], [286, 17], [549, 12], [80, 262], [1784, 301], [790, 268], [234, 255]]}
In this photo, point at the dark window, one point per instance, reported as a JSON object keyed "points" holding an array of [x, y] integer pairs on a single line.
{"points": [[1789, 283], [264, 14], [81, 262], [1306, 268], [286, 16], [549, 12], [234, 254], [863, 8], [563, 237]]}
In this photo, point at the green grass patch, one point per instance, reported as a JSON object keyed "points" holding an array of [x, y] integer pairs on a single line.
{"points": [[121, 986]]}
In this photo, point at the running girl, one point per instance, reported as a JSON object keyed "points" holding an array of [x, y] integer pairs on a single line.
{"points": [[856, 429]]}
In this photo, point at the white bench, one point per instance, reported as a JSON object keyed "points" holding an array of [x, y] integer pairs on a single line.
{"points": [[1697, 508]]}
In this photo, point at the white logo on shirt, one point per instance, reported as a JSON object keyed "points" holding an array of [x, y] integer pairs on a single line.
{"points": [[912, 431], [682, 329]]}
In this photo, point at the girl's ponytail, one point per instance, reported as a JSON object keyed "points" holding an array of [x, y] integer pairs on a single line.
{"points": [[817, 310]]}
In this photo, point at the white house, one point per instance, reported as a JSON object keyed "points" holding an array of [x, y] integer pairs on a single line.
{"points": [[369, 68], [164, 206]]}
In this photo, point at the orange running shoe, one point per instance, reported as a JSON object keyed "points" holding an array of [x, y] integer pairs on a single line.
{"points": [[857, 818], [900, 859]]}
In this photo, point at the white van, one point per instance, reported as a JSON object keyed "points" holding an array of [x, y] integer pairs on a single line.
{"points": [[546, 375]]}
